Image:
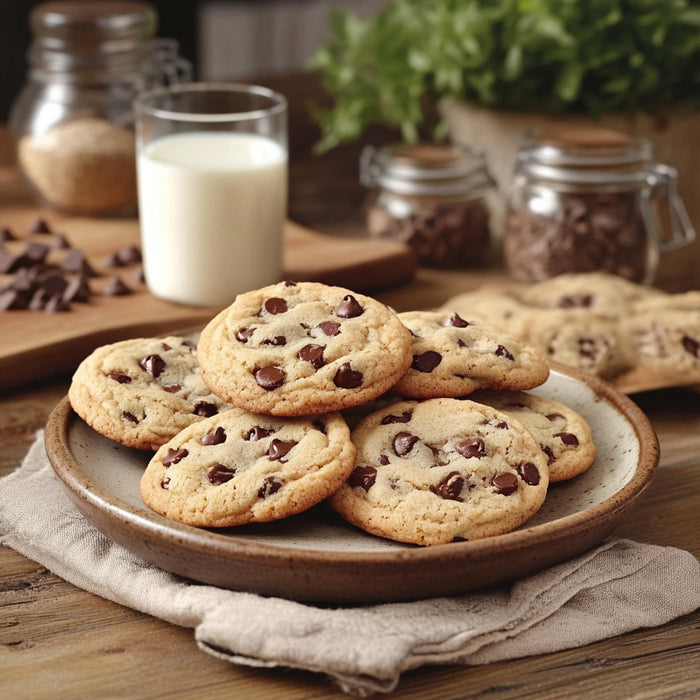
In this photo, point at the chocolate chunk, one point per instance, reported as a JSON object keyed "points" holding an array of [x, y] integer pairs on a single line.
{"points": [[455, 320], [257, 433], [174, 455], [504, 352], [172, 388], [52, 282], [505, 483], [275, 305], [119, 377], [115, 287], [349, 307], [548, 452], [569, 439], [55, 304], [270, 377], [219, 474], [403, 443], [129, 254], [205, 409], [364, 477], [347, 378], [691, 346], [383, 460], [189, 344], [129, 417], [76, 261], [39, 225], [497, 423], [244, 334], [329, 328], [450, 488], [270, 485], [529, 473], [554, 417], [439, 457], [472, 448], [572, 301], [426, 362], [278, 340], [403, 418], [313, 354], [165, 483], [279, 449], [214, 437], [153, 364]]}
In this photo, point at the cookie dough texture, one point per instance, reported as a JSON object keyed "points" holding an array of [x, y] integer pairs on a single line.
{"points": [[141, 392], [302, 348], [435, 471], [453, 356], [564, 436], [238, 467]]}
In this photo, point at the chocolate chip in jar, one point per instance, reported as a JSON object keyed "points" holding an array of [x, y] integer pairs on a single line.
{"points": [[438, 199]]}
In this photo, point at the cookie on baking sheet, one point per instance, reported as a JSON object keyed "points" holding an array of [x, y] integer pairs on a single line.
{"points": [[143, 391], [601, 293], [239, 467], [582, 339], [300, 348], [562, 434], [453, 357], [436, 471], [667, 343]]}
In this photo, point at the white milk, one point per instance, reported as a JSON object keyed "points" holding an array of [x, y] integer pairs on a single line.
{"points": [[212, 207]]}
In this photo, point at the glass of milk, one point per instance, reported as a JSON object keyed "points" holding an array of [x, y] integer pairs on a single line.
{"points": [[212, 187]]}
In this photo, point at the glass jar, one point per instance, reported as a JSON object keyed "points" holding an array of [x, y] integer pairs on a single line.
{"points": [[436, 198], [72, 121], [591, 200]]}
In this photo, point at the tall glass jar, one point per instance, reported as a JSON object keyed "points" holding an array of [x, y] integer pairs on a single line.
{"points": [[436, 198], [72, 121], [587, 200]]}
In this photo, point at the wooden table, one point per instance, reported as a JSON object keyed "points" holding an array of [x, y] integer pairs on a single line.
{"points": [[58, 641]]}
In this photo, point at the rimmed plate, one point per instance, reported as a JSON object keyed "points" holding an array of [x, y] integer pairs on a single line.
{"points": [[318, 557]]}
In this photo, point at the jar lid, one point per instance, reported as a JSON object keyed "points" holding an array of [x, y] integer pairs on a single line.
{"points": [[586, 155], [424, 169]]}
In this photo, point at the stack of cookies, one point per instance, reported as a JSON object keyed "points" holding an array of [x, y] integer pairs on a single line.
{"points": [[252, 425]]}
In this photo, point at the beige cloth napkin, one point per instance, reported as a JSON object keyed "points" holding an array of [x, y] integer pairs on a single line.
{"points": [[619, 586]]}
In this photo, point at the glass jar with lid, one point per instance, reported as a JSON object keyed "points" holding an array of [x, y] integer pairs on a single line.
{"points": [[72, 121], [439, 199], [591, 200]]}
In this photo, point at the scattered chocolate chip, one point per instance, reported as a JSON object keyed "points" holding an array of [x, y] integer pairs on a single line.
{"points": [[10, 262], [77, 289], [270, 485], [403, 418], [119, 377], [505, 483], [275, 305], [569, 439], [403, 443], [172, 388], [165, 483], [349, 307], [35, 253], [138, 275], [278, 340], [12, 300], [112, 260], [115, 287], [6, 234], [450, 488], [472, 448], [39, 225], [504, 352], [426, 362], [55, 304], [213, 437], [383, 460], [257, 433], [153, 364], [279, 449], [497, 423], [313, 354], [76, 261], [569, 301], [455, 320], [270, 377], [205, 409], [347, 378], [60, 242], [174, 455], [244, 334], [219, 474], [548, 452], [129, 254], [691, 346], [289, 283], [129, 417], [439, 458], [329, 328], [363, 477], [529, 473], [554, 417], [189, 344]]}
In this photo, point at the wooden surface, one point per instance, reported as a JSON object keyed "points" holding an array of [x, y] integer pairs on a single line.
{"points": [[60, 642]]}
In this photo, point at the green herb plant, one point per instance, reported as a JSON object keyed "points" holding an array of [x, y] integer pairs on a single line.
{"points": [[547, 56]]}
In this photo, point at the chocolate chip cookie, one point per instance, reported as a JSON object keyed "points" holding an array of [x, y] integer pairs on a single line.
{"points": [[238, 467], [303, 348], [453, 357], [563, 435], [141, 392], [436, 471]]}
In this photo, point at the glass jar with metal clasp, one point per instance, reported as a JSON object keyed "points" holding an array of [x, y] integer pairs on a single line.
{"points": [[592, 200], [72, 121]]}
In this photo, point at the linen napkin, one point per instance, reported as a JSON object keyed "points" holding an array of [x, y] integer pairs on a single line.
{"points": [[619, 586]]}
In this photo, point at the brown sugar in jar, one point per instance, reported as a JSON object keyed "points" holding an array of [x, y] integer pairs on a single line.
{"points": [[587, 200], [435, 198]]}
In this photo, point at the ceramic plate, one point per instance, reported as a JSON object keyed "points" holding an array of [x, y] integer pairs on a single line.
{"points": [[317, 557]]}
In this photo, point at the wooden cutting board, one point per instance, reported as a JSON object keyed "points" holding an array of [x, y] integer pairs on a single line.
{"points": [[35, 345]]}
